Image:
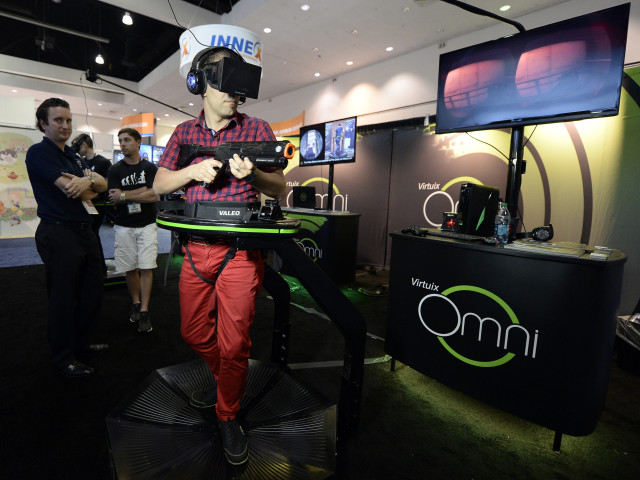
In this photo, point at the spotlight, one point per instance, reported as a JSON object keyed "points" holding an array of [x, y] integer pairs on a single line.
{"points": [[126, 19], [99, 59]]}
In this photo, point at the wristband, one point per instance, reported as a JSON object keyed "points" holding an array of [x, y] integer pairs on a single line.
{"points": [[122, 197], [251, 177]]}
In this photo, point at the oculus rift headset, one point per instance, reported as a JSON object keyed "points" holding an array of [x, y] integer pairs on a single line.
{"points": [[76, 143], [230, 75]]}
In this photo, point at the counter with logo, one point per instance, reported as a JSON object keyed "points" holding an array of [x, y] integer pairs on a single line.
{"points": [[330, 239], [530, 333]]}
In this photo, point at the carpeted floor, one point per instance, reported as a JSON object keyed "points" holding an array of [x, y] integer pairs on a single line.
{"points": [[411, 427]]}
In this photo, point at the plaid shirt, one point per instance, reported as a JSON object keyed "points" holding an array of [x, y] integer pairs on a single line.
{"points": [[241, 128]]}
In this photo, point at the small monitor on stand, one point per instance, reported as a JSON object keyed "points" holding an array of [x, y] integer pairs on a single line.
{"points": [[328, 143]]}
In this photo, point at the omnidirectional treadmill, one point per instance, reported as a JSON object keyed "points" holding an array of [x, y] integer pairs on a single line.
{"points": [[293, 432]]}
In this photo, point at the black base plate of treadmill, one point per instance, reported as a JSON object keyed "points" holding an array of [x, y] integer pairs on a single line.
{"points": [[155, 433]]}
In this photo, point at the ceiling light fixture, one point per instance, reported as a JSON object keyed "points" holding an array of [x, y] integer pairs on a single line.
{"points": [[349, 62], [126, 19], [267, 30], [99, 59], [304, 7], [317, 74], [504, 8], [389, 49]]}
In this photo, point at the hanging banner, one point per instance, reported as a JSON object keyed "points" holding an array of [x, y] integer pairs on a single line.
{"points": [[288, 127], [243, 41], [142, 122]]}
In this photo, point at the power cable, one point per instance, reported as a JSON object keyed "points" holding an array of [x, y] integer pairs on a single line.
{"points": [[94, 77]]}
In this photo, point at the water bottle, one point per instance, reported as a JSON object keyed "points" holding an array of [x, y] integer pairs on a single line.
{"points": [[501, 225]]}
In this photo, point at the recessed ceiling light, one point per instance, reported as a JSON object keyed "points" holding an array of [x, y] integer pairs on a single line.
{"points": [[354, 31], [191, 104], [349, 62], [304, 7], [504, 8], [99, 104], [166, 114], [126, 19], [14, 90], [135, 109], [406, 9], [267, 30], [89, 113], [389, 49], [317, 74], [99, 59]]}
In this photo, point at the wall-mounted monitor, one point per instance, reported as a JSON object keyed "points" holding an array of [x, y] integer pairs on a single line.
{"points": [[146, 152], [328, 143], [157, 153], [565, 71]]}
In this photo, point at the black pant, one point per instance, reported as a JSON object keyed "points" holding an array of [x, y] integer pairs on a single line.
{"points": [[74, 286], [97, 223]]}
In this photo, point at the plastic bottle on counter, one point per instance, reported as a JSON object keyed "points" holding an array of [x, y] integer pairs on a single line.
{"points": [[501, 225]]}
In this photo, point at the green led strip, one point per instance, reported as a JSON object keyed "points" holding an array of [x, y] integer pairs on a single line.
{"points": [[289, 231]]}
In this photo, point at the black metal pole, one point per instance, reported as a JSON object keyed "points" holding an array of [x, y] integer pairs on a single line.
{"points": [[330, 196], [516, 164]]}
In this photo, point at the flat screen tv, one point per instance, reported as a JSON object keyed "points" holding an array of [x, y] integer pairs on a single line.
{"points": [[565, 71], [157, 153], [328, 143], [145, 152]]}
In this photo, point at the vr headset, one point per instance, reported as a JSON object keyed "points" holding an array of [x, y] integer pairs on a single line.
{"points": [[230, 75], [77, 142]]}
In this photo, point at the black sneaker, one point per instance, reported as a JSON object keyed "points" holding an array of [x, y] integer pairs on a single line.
{"points": [[144, 325], [234, 442], [135, 313], [76, 369], [204, 398]]}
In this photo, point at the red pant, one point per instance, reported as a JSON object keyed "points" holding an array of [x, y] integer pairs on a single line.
{"points": [[225, 348]]}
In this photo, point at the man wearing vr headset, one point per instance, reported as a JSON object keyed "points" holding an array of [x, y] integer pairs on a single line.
{"points": [[215, 319], [83, 145]]}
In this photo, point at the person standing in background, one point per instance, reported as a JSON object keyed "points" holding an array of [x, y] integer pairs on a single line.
{"points": [[63, 187], [83, 145], [136, 232]]}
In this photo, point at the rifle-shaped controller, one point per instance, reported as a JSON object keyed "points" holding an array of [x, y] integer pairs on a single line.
{"points": [[261, 154]]}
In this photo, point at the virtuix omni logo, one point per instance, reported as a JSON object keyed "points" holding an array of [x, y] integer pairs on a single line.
{"points": [[310, 248], [514, 332]]}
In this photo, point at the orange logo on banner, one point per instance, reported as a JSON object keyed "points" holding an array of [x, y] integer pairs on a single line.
{"points": [[142, 122], [288, 127]]}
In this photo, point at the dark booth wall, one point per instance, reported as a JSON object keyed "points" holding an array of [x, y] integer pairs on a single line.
{"points": [[582, 177]]}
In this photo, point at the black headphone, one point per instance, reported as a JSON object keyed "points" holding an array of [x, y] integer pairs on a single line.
{"points": [[197, 78]]}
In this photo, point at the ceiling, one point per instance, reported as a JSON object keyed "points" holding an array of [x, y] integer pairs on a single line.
{"points": [[144, 56]]}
